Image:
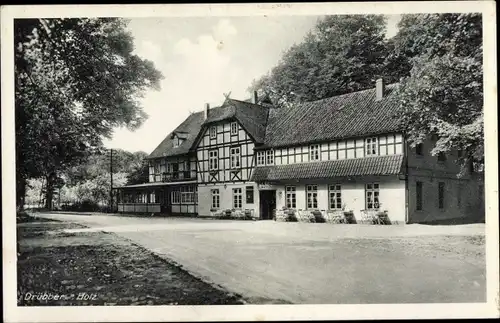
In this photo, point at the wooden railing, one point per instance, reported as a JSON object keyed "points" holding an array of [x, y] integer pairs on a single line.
{"points": [[139, 207]]}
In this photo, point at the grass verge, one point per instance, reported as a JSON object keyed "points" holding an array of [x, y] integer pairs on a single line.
{"points": [[96, 268]]}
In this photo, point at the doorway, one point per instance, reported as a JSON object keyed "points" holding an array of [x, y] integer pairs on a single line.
{"points": [[267, 204]]}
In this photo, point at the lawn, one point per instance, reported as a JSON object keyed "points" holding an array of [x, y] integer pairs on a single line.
{"points": [[97, 268]]}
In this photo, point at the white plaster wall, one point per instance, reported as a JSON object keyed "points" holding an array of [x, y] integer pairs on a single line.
{"points": [[226, 197], [392, 197]]}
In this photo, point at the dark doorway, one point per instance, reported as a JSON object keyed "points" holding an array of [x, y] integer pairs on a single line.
{"points": [[267, 204], [164, 201]]}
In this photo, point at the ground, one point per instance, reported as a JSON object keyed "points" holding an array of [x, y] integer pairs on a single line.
{"points": [[97, 268], [308, 263]]}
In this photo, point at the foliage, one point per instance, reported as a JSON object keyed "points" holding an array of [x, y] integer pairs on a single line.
{"points": [[341, 54], [76, 79], [443, 95]]}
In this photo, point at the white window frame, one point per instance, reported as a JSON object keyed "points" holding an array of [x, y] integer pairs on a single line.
{"points": [[335, 197], [311, 196], [175, 197], [234, 128], [371, 148], [187, 194], [213, 132], [270, 157], [237, 198], [213, 159], [372, 196], [177, 142], [215, 198], [261, 158], [314, 153], [235, 156], [291, 197]]}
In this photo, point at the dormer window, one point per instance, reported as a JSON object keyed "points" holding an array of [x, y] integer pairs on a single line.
{"points": [[177, 142], [234, 128], [213, 132]]}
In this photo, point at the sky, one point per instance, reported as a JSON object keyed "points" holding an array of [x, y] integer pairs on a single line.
{"points": [[202, 58]]}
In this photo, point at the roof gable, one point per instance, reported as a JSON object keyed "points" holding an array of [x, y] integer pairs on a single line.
{"points": [[187, 131]]}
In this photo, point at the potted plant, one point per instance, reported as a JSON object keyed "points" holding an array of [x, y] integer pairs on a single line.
{"points": [[349, 215], [317, 217]]}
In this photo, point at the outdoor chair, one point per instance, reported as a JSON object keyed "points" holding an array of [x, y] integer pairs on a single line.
{"points": [[370, 217], [336, 216], [303, 215]]}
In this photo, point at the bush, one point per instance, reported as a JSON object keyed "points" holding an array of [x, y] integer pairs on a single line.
{"points": [[349, 215], [318, 217], [291, 217], [85, 206]]}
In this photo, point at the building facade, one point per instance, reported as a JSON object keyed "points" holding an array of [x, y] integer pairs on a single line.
{"points": [[345, 153]]}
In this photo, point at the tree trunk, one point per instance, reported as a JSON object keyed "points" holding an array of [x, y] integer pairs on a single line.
{"points": [[49, 192], [20, 193]]}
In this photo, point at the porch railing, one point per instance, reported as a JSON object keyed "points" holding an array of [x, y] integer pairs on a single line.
{"points": [[139, 207]]}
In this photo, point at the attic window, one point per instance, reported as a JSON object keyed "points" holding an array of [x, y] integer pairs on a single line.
{"points": [[177, 142], [213, 133], [234, 128]]}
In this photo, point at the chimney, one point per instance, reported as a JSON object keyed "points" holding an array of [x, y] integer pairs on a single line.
{"points": [[255, 97], [379, 89], [207, 107]]}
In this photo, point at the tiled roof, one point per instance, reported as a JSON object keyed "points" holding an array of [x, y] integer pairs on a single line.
{"points": [[349, 115], [252, 117], [378, 165], [188, 130]]}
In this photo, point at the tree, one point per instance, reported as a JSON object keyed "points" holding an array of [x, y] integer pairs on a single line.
{"points": [[139, 173], [341, 54], [76, 79], [443, 94]]}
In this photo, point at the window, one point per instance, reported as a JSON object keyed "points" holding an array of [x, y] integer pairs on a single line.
{"points": [[291, 197], [441, 157], [213, 160], [250, 194], [175, 170], [215, 199], [314, 152], [419, 149], [237, 198], [270, 157], [372, 196], [235, 157], [187, 194], [176, 197], [213, 132], [335, 197], [441, 195], [177, 142], [234, 128], [261, 158], [371, 146], [312, 196], [419, 196]]}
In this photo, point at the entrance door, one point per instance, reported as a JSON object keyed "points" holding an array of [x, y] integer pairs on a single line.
{"points": [[165, 203], [267, 204]]}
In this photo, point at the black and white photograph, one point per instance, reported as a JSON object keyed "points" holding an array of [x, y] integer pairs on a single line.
{"points": [[199, 162]]}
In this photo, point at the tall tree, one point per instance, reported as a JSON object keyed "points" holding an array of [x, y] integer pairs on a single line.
{"points": [[76, 79], [443, 94], [341, 54]]}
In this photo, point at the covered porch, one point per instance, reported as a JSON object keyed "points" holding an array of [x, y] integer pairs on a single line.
{"points": [[163, 198]]}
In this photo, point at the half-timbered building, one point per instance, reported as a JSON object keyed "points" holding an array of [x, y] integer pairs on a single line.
{"points": [[345, 153]]}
